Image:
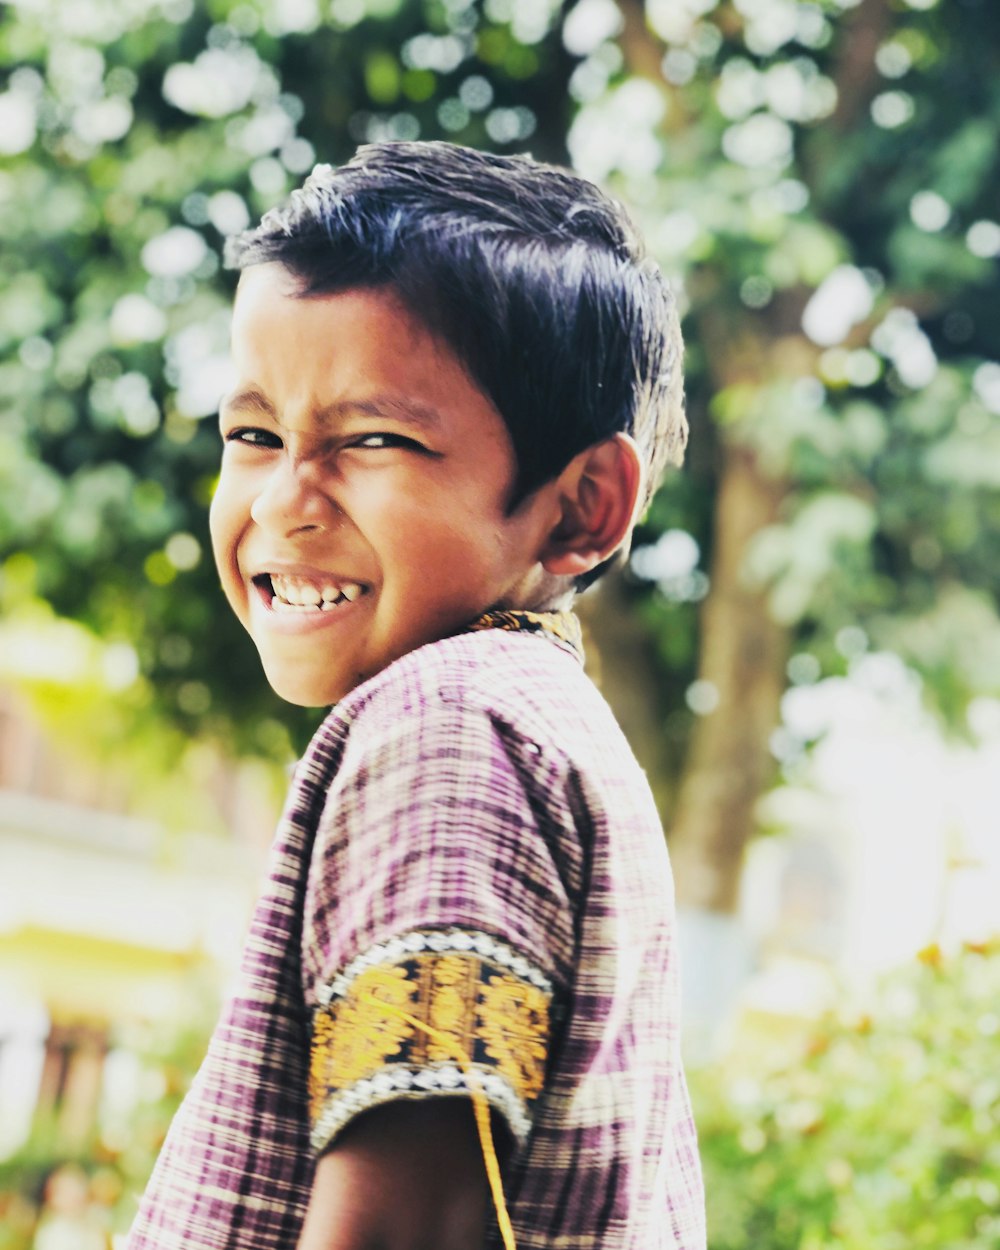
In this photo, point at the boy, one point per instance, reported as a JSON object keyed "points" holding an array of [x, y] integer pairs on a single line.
{"points": [[457, 384]]}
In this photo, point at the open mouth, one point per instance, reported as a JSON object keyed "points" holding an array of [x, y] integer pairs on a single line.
{"points": [[283, 593]]}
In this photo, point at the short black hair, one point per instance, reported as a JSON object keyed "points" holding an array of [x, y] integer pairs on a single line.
{"points": [[533, 277]]}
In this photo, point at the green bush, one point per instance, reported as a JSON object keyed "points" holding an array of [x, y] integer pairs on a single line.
{"points": [[885, 1135]]}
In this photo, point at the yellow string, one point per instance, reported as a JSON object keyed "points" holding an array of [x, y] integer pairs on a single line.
{"points": [[480, 1106]]}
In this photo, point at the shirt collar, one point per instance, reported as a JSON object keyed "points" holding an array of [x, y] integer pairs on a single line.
{"points": [[562, 627]]}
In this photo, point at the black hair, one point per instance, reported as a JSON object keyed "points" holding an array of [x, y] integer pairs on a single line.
{"points": [[532, 276]]}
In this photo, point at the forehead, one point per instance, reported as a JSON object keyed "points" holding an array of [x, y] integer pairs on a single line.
{"points": [[270, 304], [347, 339]]}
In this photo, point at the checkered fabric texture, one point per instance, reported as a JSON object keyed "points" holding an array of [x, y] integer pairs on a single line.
{"points": [[474, 802]]}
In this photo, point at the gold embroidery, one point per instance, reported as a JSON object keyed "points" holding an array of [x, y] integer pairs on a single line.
{"points": [[469, 1004], [360, 1037], [564, 626], [452, 997], [514, 1022], [319, 1062]]}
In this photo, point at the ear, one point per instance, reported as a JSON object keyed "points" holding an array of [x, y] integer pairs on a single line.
{"points": [[598, 493]]}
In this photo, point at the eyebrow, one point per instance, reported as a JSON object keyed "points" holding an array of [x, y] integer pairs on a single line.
{"points": [[413, 412]]}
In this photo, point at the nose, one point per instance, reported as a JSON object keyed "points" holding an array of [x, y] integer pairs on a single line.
{"points": [[292, 498]]}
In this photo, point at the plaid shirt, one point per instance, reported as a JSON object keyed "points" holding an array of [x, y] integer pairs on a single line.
{"points": [[469, 843]]}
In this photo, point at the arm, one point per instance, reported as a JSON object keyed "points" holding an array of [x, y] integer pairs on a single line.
{"points": [[436, 929], [403, 1176]]}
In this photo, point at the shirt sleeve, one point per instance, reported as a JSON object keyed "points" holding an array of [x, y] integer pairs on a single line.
{"points": [[438, 939]]}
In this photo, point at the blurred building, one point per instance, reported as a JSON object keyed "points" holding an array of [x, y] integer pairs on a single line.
{"points": [[106, 926]]}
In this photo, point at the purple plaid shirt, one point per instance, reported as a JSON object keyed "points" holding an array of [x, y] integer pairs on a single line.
{"points": [[468, 843]]}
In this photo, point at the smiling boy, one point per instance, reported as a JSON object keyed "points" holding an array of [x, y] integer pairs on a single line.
{"points": [[458, 382], [384, 442]]}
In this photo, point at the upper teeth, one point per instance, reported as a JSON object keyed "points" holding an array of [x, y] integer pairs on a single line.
{"points": [[304, 593]]}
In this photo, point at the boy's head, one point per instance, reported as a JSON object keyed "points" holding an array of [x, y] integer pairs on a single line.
{"points": [[508, 295], [532, 276]]}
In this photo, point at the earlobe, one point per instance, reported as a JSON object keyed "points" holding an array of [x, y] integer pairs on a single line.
{"points": [[599, 490]]}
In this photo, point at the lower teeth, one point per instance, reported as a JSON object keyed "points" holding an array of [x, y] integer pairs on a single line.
{"points": [[325, 606]]}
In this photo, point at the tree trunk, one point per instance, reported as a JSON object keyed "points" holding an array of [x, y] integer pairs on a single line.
{"points": [[743, 656], [743, 651], [621, 660]]}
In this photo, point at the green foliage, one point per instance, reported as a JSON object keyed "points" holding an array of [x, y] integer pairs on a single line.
{"points": [[794, 160], [768, 149], [883, 1136], [137, 136]]}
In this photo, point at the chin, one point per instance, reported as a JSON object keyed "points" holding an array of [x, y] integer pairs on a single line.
{"points": [[305, 692]]}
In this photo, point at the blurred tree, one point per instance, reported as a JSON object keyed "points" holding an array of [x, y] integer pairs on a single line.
{"points": [[821, 174], [136, 137], [824, 178]]}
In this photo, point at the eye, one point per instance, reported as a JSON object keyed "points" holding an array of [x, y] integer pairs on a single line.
{"points": [[252, 436], [381, 441]]}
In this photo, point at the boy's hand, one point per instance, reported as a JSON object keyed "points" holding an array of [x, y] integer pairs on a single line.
{"points": [[403, 1176]]}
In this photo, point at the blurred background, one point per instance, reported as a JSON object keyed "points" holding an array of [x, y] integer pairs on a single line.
{"points": [[804, 646]]}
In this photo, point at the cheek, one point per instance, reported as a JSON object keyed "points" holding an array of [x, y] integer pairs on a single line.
{"points": [[225, 526], [217, 524]]}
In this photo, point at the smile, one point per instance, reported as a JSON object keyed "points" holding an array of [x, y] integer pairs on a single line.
{"points": [[284, 593]]}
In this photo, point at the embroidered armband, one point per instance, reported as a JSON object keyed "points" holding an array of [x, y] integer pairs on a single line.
{"points": [[430, 1013]]}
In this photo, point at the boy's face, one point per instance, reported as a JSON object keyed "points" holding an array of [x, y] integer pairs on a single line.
{"points": [[361, 506]]}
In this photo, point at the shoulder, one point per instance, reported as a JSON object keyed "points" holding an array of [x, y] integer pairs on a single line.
{"points": [[524, 685], [477, 703]]}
